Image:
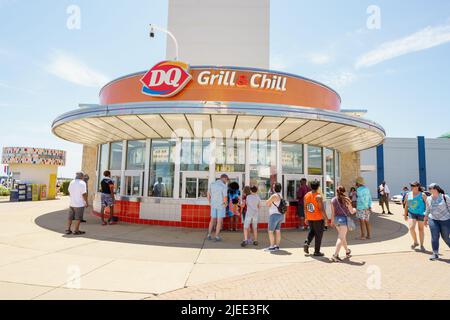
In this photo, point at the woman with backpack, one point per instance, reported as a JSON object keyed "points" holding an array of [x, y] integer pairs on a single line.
{"points": [[415, 207], [341, 209], [438, 217], [277, 206]]}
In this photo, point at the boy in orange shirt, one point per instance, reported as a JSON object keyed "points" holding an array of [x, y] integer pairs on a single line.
{"points": [[316, 217]]}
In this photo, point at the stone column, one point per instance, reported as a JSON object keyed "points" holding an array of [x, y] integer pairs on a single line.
{"points": [[88, 166], [350, 169]]}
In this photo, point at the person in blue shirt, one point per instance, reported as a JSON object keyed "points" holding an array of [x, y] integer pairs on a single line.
{"points": [[363, 207], [217, 197], [415, 207]]}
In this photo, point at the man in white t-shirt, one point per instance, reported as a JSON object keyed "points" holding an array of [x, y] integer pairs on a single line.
{"points": [[78, 201], [384, 191]]}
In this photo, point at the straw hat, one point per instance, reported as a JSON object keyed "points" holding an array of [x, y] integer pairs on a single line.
{"points": [[360, 180]]}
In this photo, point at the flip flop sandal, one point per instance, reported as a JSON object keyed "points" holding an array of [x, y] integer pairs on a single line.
{"points": [[68, 232], [348, 254], [79, 232]]}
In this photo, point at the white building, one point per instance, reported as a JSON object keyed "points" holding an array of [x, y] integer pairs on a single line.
{"points": [[399, 161]]}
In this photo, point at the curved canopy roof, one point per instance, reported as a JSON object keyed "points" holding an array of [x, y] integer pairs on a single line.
{"points": [[103, 123]]}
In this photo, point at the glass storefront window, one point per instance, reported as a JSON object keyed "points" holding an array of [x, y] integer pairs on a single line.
{"points": [[116, 156], [136, 155], [315, 166], [196, 188], [103, 162], [330, 173], [195, 154], [263, 155], [292, 158], [162, 168], [230, 155]]}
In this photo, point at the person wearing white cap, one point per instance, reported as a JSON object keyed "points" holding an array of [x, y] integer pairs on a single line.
{"points": [[437, 216], [78, 201]]}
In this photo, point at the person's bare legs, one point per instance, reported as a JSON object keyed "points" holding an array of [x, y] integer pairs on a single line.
{"points": [[368, 229], [218, 226], [111, 213], [421, 232], [412, 230], [212, 223], [255, 233], [362, 225], [246, 232], [69, 224], [277, 237], [102, 214], [271, 238], [77, 226], [341, 241]]}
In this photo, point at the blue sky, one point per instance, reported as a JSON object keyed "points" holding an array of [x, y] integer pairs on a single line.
{"points": [[399, 72]]}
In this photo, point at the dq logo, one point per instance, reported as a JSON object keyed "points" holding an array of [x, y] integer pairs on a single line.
{"points": [[166, 79]]}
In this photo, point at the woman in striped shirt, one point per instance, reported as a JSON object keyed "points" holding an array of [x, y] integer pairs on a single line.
{"points": [[438, 218]]}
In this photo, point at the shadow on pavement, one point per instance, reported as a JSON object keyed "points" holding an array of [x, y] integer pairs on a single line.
{"points": [[383, 228]]}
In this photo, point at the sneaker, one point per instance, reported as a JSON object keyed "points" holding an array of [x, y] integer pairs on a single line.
{"points": [[434, 256], [209, 237], [383, 212], [78, 232], [390, 213], [318, 254], [244, 243], [422, 248], [68, 232], [306, 248], [270, 249], [277, 248], [255, 243], [217, 239]]}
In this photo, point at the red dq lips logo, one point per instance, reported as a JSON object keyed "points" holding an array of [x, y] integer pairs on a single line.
{"points": [[166, 79]]}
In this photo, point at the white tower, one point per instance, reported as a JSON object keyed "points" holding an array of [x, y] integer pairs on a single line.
{"points": [[220, 32]]}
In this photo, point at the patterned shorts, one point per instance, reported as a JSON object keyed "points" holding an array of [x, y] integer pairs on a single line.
{"points": [[107, 200], [363, 214]]}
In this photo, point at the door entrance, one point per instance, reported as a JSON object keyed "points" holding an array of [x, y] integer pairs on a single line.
{"points": [[194, 185]]}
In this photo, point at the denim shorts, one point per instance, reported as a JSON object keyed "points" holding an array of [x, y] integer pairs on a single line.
{"points": [[217, 212], [415, 216], [340, 221], [275, 221]]}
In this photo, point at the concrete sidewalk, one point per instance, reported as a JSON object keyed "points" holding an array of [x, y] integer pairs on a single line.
{"points": [[37, 261]]}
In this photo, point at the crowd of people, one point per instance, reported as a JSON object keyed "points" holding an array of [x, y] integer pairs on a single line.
{"points": [[226, 201]]}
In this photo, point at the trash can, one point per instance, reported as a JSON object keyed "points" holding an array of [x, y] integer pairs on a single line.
{"points": [[14, 195]]}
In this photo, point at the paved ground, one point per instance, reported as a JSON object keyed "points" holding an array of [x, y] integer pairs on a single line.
{"points": [[37, 261]]}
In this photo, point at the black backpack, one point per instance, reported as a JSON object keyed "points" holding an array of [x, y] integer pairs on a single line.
{"points": [[282, 208]]}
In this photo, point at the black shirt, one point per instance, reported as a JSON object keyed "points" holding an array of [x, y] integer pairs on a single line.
{"points": [[105, 185]]}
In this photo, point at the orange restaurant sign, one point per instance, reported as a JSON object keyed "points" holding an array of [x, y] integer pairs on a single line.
{"points": [[175, 80]]}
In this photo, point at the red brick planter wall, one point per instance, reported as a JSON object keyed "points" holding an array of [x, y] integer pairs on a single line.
{"points": [[192, 216]]}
